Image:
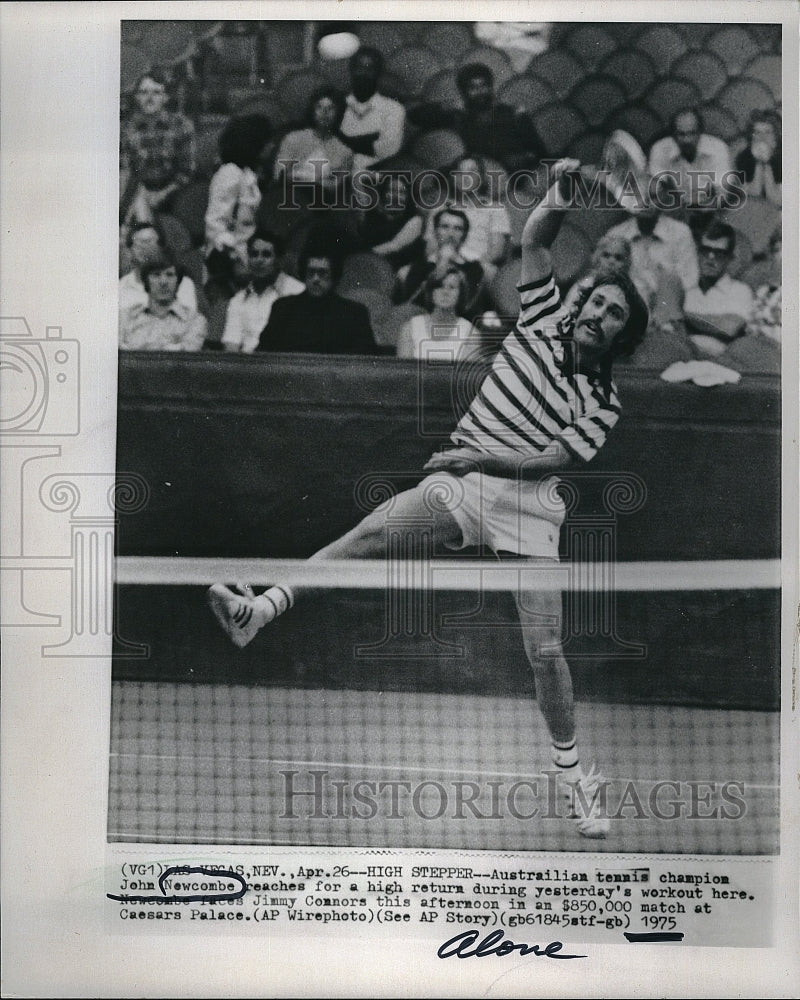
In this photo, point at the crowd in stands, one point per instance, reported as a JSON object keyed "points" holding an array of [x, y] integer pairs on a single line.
{"points": [[317, 238]]}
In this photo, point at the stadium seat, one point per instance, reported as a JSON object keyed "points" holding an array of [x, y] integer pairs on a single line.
{"points": [[667, 97], [595, 222], [176, 236], [632, 69], [450, 39], [497, 61], [526, 92], [743, 96], [706, 70], [742, 255], [558, 68], [768, 36], [413, 65], [720, 122], [735, 46], [189, 207], [207, 151], [367, 270], [394, 321], [664, 44], [264, 104], [295, 89], [387, 36], [131, 32], [437, 148], [767, 70], [759, 273], [696, 35], [640, 121], [442, 89], [133, 62], [588, 146], [168, 42], [557, 125], [379, 305], [503, 289], [757, 219], [590, 44], [596, 97], [335, 71], [572, 251]]}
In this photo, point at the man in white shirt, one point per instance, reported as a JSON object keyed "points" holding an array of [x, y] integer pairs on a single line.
{"points": [[692, 162], [659, 245], [249, 309], [373, 125], [146, 244], [717, 309]]}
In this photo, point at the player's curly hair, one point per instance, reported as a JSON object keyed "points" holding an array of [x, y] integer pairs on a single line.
{"points": [[633, 333]]}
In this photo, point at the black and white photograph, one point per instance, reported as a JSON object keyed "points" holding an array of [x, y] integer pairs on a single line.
{"points": [[424, 507]]}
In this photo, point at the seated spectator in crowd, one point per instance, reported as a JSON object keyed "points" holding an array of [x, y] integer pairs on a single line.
{"points": [[233, 200], [717, 309], [250, 308], [450, 228], [157, 152], [700, 161], [314, 160], [759, 163], [373, 124], [659, 245], [759, 350], [318, 320], [611, 257], [146, 244], [477, 195], [393, 227], [486, 125], [443, 332], [162, 323]]}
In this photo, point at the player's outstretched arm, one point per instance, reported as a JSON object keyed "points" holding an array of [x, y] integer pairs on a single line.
{"points": [[544, 222]]}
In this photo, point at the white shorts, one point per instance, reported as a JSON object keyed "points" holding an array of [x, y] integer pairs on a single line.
{"points": [[505, 515]]}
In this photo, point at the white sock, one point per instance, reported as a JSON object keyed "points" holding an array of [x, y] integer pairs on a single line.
{"points": [[565, 758], [274, 602]]}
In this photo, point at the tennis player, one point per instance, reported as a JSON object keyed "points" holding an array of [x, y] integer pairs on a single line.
{"points": [[548, 404]]}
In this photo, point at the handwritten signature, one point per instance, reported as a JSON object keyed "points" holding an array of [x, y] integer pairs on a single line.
{"points": [[493, 944]]}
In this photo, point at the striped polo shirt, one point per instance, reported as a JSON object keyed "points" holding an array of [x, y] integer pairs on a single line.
{"points": [[534, 394]]}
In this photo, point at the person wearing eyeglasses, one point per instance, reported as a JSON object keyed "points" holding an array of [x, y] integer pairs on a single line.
{"points": [[717, 309], [157, 152], [249, 310]]}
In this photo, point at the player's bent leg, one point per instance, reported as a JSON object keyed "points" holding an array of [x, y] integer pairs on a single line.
{"points": [[241, 614], [540, 617]]}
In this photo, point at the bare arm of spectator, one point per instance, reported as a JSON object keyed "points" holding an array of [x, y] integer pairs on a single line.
{"points": [[233, 334], [196, 333], [684, 259], [390, 138], [405, 342], [410, 232], [223, 195]]}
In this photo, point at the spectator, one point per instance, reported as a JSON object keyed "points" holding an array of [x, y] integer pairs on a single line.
{"points": [[393, 227], [659, 245], [233, 199], [157, 152], [162, 323], [314, 158], [443, 330], [759, 163], [451, 228], [373, 125], [486, 125], [477, 194], [146, 244], [318, 320], [716, 310], [610, 258], [249, 309], [759, 350], [692, 163]]}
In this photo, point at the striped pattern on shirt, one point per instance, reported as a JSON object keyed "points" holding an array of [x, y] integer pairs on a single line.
{"points": [[532, 396]]}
